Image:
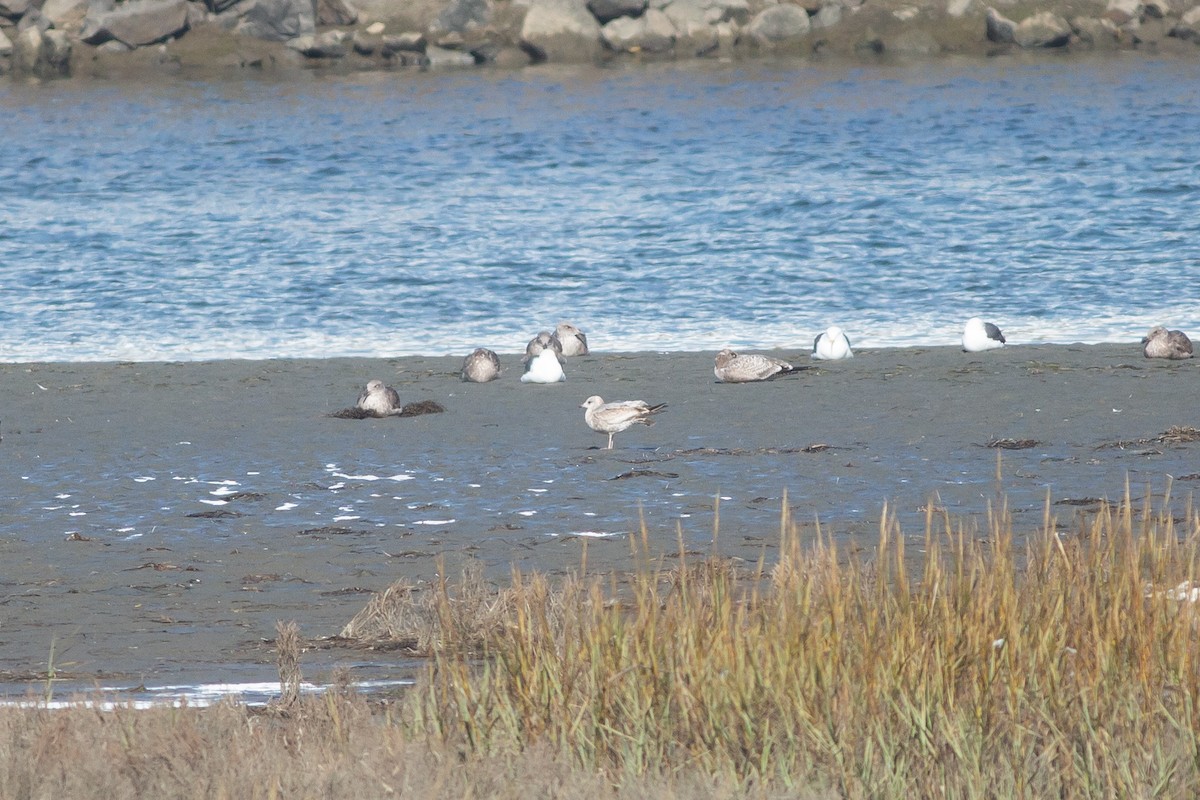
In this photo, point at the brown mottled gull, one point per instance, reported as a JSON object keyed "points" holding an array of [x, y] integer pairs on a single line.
{"points": [[379, 399], [572, 340], [612, 418], [481, 366], [734, 368], [1162, 343]]}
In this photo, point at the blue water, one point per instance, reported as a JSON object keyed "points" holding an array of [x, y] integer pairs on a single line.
{"points": [[657, 208]]}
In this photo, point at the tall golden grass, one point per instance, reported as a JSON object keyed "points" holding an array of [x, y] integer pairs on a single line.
{"points": [[956, 663]]}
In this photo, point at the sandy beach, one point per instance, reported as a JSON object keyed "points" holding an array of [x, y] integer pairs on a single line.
{"points": [[159, 518]]}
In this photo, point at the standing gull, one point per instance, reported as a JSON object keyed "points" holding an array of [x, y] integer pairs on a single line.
{"points": [[1162, 343], [733, 368], [832, 345], [481, 366], [979, 336], [545, 367], [612, 418], [379, 399], [572, 340]]}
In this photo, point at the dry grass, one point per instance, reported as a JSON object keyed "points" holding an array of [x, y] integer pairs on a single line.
{"points": [[952, 665]]}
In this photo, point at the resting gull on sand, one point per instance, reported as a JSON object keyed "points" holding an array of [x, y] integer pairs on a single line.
{"points": [[379, 399], [481, 366], [1162, 343], [612, 418], [572, 340], [979, 336], [832, 345], [545, 367], [544, 340], [733, 368]]}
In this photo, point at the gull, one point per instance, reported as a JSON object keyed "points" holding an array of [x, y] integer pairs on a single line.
{"points": [[379, 399], [612, 418], [544, 339], [979, 336], [832, 345], [572, 340], [1162, 343], [545, 367], [481, 366], [734, 368]]}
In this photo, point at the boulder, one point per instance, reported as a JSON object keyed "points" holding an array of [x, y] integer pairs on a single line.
{"points": [[710, 11], [46, 54], [829, 16], [1123, 11], [1158, 9], [560, 30], [14, 9], [1188, 27], [66, 14], [1100, 34], [365, 44], [913, 41], [694, 34], [461, 16], [217, 6], [608, 10], [402, 43], [34, 18], [330, 44], [1000, 29], [441, 58], [650, 33], [137, 23], [279, 20], [6, 45], [336, 12], [1044, 29], [779, 24]]}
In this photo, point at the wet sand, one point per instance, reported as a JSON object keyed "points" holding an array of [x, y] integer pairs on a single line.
{"points": [[158, 519]]}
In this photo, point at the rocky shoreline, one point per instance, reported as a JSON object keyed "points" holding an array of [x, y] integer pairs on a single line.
{"points": [[52, 38]]}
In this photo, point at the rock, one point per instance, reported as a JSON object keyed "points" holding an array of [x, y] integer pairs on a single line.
{"points": [[913, 42], [27, 50], [1100, 34], [608, 10], [652, 32], [779, 24], [441, 58], [279, 20], [217, 6], [376, 28], [46, 54], [957, 8], [6, 45], [1044, 29], [56, 53], [1188, 27], [1000, 29], [66, 14], [829, 16], [364, 43], [693, 33], [34, 19], [137, 23], [403, 42], [14, 9], [336, 12], [1158, 9], [1123, 12], [560, 30], [330, 44], [461, 16]]}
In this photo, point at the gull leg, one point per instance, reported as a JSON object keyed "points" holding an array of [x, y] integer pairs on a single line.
{"points": [[610, 437]]}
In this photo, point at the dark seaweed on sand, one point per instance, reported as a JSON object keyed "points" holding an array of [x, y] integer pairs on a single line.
{"points": [[414, 409], [1012, 444], [1176, 434]]}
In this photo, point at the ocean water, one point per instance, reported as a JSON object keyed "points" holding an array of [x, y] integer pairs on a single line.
{"points": [[659, 208]]}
